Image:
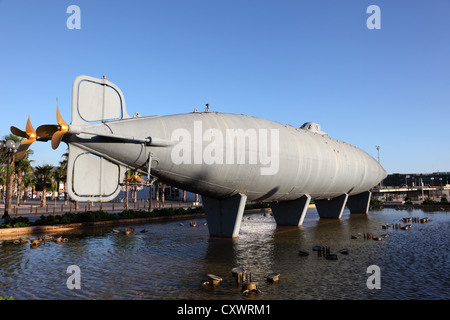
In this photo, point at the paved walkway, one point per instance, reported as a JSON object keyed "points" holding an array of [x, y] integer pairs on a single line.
{"points": [[33, 210]]}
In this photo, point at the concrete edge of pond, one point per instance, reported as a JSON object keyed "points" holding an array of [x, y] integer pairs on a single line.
{"points": [[10, 233]]}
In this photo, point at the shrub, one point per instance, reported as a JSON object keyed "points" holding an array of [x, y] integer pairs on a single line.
{"points": [[94, 216], [46, 220], [375, 201], [16, 223], [428, 201]]}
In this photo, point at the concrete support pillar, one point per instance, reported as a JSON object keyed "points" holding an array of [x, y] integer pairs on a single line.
{"points": [[359, 203], [290, 213], [224, 216], [332, 208]]}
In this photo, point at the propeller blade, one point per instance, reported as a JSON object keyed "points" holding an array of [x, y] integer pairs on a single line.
{"points": [[62, 129], [139, 179], [31, 133], [18, 132], [60, 120], [21, 153], [56, 132], [56, 139], [134, 178], [24, 145], [46, 130]]}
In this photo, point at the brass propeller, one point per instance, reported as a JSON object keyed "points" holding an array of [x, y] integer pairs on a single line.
{"points": [[57, 132], [46, 130], [30, 136], [135, 178]]}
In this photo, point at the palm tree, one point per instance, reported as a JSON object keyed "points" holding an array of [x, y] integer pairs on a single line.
{"points": [[44, 174], [60, 174], [2, 180], [127, 177], [28, 180], [163, 194], [63, 172], [6, 158], [22, 167]]}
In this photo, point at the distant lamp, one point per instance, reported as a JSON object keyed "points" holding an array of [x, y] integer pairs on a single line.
{"points": [[10, 144], [378, 149]]}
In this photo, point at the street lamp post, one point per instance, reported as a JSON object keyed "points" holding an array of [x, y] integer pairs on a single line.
{"points": [[378, 149], [11, 147]]}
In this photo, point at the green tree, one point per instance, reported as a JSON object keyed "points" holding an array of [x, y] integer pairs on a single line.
{"points": [[63, 172], [22, 167], [9, 159], [44, 175], [2, 179], [28, 180]]}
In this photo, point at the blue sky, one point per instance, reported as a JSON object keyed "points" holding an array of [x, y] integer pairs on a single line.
{"points": [[291, 61]]}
